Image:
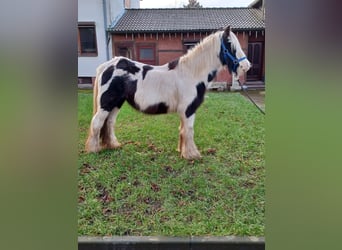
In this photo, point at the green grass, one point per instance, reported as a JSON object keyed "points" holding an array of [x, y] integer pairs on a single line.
{"points": [[145, 188]]}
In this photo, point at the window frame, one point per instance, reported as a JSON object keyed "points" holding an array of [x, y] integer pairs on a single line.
{"points": [[189, 44], [86, 25], [147, 46], [124, 45]]}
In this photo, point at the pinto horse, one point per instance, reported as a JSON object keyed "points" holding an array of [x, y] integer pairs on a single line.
{"points": [[178, 86]]}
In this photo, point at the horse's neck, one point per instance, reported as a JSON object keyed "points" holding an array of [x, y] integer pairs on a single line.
{"points": [[201, 61]]}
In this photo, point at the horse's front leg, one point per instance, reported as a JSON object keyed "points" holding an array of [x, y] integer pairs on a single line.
{"points": [[188, 148]]}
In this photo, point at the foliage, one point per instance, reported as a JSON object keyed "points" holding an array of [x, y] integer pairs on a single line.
{"points": [[193, 4]]}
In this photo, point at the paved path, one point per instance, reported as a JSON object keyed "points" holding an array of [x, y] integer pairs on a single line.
{"points": [[258, 96]]}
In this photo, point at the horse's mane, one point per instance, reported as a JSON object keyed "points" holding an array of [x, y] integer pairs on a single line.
{"points": [[203, 57]]}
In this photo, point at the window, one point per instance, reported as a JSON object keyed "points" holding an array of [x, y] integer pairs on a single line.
{"points": [[125, 51], [146, 54], [189, 45], [87, 45]]}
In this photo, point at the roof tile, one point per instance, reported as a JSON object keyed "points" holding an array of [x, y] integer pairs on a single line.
{"points": [[199, 19]]}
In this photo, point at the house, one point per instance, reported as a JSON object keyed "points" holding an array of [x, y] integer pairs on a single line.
{"points": [[158, 36], [257, 4], [94, 43]]}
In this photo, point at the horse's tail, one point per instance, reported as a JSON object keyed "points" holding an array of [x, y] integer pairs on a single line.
{"points": [[95, 93], [100, 69], [104, 130], [89, 146]]}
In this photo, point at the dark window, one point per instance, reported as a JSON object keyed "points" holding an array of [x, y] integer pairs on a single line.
{"points": [[87, 45], [147, 54], [125, 51], [189, 45]]}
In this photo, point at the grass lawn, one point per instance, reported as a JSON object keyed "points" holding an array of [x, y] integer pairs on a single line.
{"points": [[145, 188]]}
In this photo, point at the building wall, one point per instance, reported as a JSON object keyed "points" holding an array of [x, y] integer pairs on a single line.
{"points": [[93, 11], [167, 48], [133, 4], [170, 46]]}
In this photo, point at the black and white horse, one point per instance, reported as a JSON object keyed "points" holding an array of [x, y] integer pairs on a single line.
{"points": [[178, 86]]}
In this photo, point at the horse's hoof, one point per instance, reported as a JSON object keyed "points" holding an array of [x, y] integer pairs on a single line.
{"points": [[113, 145], [191, 155], [89, 149]]}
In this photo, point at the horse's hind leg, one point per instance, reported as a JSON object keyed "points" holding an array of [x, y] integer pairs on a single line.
{"points": [[97, 122], [108, 134], [187, 145]]}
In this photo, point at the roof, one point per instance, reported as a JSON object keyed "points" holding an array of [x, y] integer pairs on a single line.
{"points": [[185, 19]]}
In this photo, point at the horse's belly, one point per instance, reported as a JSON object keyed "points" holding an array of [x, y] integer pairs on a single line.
{"points": [[156, 99]]}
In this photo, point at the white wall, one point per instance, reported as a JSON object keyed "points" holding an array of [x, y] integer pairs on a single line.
{"points": [[135, 4], [92, 11], [116, 8]]}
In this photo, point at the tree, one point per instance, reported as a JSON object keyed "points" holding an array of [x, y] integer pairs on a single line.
{"points": [[193, 4]]}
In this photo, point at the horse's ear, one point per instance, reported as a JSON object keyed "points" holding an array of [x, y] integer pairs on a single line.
{"points": [[227, 31]]}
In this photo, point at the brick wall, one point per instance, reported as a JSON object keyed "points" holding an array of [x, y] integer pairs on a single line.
{"points": [[169, 46]]}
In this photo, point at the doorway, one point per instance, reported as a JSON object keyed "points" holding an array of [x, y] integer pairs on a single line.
{"points": [[255, 56]]}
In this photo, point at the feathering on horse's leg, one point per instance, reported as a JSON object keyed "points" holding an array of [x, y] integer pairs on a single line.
{"points": [[109, 139], [189, 149], [181, 135], [97, 122]]}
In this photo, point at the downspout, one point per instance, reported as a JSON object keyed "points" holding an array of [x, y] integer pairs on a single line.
{"points": [[106, 25]]}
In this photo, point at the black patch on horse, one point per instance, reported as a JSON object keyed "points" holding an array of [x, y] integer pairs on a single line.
{"points": [[114, 96], [160, 108], [212, 75], [146, 68], [130, 89], [191, 109], [128, 66], [107, 74], [172, 65]]}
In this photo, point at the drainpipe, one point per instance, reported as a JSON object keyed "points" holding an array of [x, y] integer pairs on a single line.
{"points": [[104, 4]]}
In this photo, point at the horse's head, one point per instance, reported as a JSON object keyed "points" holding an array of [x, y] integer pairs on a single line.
{"points": [[232, 55]]}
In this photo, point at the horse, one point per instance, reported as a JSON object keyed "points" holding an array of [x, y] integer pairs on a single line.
{"points": [[178, 86]]}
